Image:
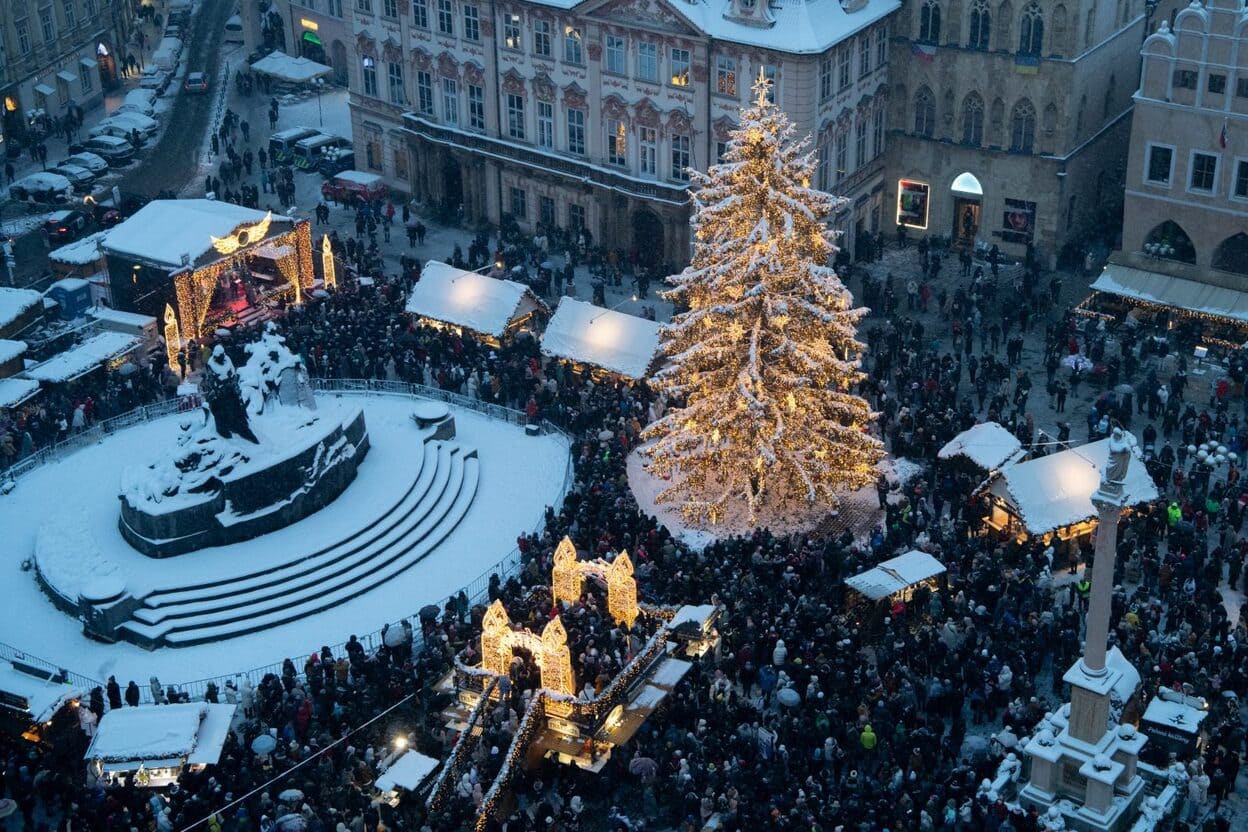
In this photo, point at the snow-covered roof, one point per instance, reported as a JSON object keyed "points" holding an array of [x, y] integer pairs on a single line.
{"points": [[896, 574], [165, 229], [615, 341], [407, 772], [16, 302], [696, 615], [358, 177], [11, 349], [474, 301], [987, 445], [286, 68], [116, 316], [81, 252], [76, 361], [1055, 491], [192, 730], [1176, 715], [14, 391], [42, 698], [69, 284]]}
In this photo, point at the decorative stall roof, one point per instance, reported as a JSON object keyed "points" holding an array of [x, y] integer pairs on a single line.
{"points": [[987, 445], [34, 697], [14, 391], [292, 70], [473, 301], [11, 349], [82, 359], [894, 575], [1177, 715], [1166, 290], [82, 252], [164, 230], [195, 731], [1054, 491], [615, 341], [16, 302], [407, 772]]}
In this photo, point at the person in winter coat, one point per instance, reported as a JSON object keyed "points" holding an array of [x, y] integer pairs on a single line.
{"points": [[780, 654], [158, 691], [132, 694], [114, 693]]}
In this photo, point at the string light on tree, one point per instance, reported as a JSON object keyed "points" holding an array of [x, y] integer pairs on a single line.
{"points": [[763, 362]]}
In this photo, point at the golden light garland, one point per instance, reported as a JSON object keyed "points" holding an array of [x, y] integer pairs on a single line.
{"points": [[622, 590], [566, 581], [243, 236], [173, 338], [327, 263]]}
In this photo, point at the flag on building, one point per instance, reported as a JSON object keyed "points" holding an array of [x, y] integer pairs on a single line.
{"points": [[1026, 64], [924, 51]]}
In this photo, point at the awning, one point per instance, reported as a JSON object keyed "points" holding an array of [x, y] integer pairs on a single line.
{"points": [[892, 576], [1177, 292], [44, 89], [66, 75], [89, 63]]}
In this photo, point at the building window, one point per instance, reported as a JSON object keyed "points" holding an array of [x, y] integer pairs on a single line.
{"points": [[90, 8], [576, 217], [512, 38], [1241, 87], [23, 37], [420, 14], [615, 55], [572, 46], [70, 15], [648, 62], [372, 154], [881, 46], [1217, 83], [721, 150], [617, 143], [541, 38], [424, 92], [769, 75], [860, 142], [647, 150], [864, 57], [576, 132], [1023, 127], [1185, 79], [84, 77], [981, 25], [450, 101], [390, 8], [370, 76], [519, 203], [545, 124], [929, 22], [877, 128], [546, 210], [680, 67], [1160, 165], [825, 78], [680, 158], [842, 157], [515, 116], [47, 24], [62, 90], [365, 6], [400, 163], [446, 17], [1031, 30], [845, 69], [335, 7], [1241, 179], [924, 112], [476, 107], [394, 72], [472, 23], [824, 175], [973, 120], [725, 76], [1204, 174]]}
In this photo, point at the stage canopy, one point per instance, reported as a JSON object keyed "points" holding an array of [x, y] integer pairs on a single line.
{"points": [[283, 67], [485, 305], [165, 230], [586, 334]]}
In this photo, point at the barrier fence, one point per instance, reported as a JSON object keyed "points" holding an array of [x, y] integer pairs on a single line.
{"points": [[476, 590]]}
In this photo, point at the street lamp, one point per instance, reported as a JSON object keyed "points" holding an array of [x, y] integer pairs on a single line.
{"points": [[318, 84]]}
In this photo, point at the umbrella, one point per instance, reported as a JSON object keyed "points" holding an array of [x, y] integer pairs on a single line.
{"points": [[264, 744], [290, 796], [395, 636], [605, 436], [788, 697], [548, 264], [291, 823], [128, 369], [429, 612], [222, 333], [320, 293], [7, 807], [643, 767]]}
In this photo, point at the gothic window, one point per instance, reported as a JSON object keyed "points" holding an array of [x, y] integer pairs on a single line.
{"points": [[1005, 18], [1031, 30], [924, 112], [929, 22], [981, 25], [1023, 127], [973, 120]]}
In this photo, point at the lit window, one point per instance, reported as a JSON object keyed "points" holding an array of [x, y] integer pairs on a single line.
{"points": [[512, 33], [725, 76], [617, 143], [680, 67], [572, 45], [370, 77]]}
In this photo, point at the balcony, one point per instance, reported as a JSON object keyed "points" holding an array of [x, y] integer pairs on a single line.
{"points": [[547, 161]]}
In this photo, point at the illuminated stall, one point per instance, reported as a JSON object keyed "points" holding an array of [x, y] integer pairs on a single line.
{"points": [[888, 586], [217, 265], [153, 744], [601, 341], [493, 310], [31, 700]]}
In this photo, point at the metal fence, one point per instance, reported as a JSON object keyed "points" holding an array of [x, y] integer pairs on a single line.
{"points": [[477, 590], [13, 654]]}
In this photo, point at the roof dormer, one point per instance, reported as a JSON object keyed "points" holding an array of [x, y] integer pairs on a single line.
{"points": [[756, 13]]}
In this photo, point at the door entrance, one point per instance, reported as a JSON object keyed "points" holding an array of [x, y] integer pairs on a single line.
{"points": [[648, 237], [968, 198]]}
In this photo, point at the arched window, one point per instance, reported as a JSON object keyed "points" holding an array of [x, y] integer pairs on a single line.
{"points": [[1060, 34], [1170, 241], [981, 25], [924, 112], [1031, 30], [1050, 119], [1089, 28], [1023, 127], [997, 120], [1005, 17], [973, 120], [929, 22], [1231, 255], [1083, 104]]}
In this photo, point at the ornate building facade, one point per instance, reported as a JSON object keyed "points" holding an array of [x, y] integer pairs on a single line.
{"points": [[1010, 119], [586, 115]]}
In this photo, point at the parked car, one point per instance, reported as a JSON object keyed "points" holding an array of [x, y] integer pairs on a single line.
{"points": [[156, 80], [146, 126], [64, 226], [234, 30], [118, 151], [119, 129], [96, 164], [80, 178], [146, 110], [349, 185], [141, 97], [336, 161], [195, 82], [42, 189]]}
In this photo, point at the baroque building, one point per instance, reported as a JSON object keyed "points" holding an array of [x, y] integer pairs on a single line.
{"points": [[587, 115], [1010, 119]]}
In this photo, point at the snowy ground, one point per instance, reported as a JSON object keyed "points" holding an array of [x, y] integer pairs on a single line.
{"points": [[520, 476]]}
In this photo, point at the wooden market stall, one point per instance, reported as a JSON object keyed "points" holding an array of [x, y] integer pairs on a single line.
{"points": [[988, 446], [601, 341], [492, 310], [31, 699], [153, 744], [892, 582], [409, 773]]}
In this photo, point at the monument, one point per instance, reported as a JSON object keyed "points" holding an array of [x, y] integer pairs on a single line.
{"points": [[1083, 764]]}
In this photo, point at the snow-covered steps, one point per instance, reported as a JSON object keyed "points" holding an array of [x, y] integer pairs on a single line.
{"points": [[408, 531]]}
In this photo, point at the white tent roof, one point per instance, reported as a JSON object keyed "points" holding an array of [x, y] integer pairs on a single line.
{"points": [[165, 229], [76, 361], [285, 68], [81, 252], [116, 316], [11, 349], [987, 445], [1177, 715], [1056, 490], [43, 697], [14, 391], [407, 772], [474, 301], [896, 574], [614, 341], [1154, 287], [193, 730]]}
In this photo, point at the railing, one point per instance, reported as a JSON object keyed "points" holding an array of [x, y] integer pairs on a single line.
{"points": [[12, 654], [468, 739]]}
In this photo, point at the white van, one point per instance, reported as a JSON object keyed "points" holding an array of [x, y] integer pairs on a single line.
{"points": [[166, 55], [234, 30]]}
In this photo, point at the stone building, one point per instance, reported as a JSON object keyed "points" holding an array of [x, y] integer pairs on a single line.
{"points": [[319, 30], [1009, 119], [55, 56], [587, 114]]}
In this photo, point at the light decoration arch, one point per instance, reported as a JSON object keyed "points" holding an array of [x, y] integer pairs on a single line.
{"points": [[568, 576], [550, 650]]}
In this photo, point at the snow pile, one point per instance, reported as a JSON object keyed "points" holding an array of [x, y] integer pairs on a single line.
{"points": [[68, 558], [81, 252], [469, 300], [987, 445], [82, 359], [589, 334], [11, 349], [14, 303], [148, 732]]}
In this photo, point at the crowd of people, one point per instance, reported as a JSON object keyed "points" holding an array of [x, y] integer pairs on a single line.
{"points": [[893, 716]]}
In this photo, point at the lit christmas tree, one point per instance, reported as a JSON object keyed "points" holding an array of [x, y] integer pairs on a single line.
{"points": [[767, 353]]}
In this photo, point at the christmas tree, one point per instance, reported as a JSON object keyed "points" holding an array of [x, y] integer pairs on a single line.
{"points": [[766, 355]]}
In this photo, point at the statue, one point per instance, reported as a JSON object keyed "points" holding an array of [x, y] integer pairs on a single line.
{"points": [[221, 390], [1115, 473]]}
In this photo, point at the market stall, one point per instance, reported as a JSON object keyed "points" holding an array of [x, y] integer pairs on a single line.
{"points": [[105, 348], [987, 446], [493, 310], [1174, 722], [601, 341], [31, 699], [887, 587], [153, 744], [409, 773], [19, 310], [287, 69]]}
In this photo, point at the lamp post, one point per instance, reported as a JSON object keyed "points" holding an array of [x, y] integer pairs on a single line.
{"points": [[318, 84]]}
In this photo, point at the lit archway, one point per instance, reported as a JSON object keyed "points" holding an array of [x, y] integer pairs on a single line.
{"points": [[967, 185]]}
